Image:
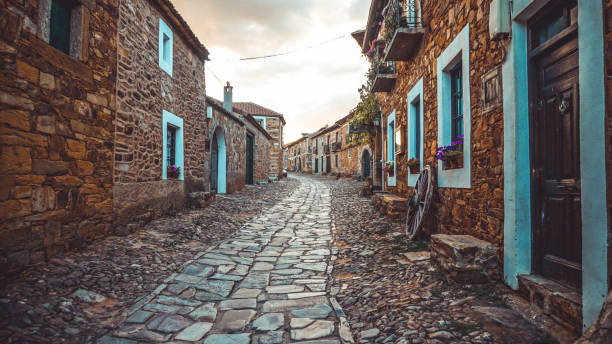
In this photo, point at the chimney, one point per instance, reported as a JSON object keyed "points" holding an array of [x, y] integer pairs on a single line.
{"points": [[227, 98]]}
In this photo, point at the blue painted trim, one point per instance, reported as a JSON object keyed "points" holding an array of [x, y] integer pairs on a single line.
{"points": [[264, 118], [592, 161], [165, 63], [170, 118], [391, 147], [221, 161], [458, 50], [415, 94], [517, 160]]}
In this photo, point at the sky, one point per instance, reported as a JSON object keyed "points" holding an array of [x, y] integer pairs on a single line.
{"points": [[310, 88]]}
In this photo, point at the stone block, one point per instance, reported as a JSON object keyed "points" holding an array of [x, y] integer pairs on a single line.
{"points": [[47, 81], [15, 208], [465, 259], [84, 168], [45, 124], [390, 205], [14, 159], [48, 167], [43, 199], [17, 119], [27, 72]]}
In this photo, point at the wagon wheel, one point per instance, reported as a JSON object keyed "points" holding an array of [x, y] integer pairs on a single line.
{"points": [[419, 202]]}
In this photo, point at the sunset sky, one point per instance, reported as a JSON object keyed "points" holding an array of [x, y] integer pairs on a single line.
{"points": [[310, 88]]}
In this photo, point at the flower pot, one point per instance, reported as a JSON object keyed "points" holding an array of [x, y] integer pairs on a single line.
{"points": [[172, 175]]}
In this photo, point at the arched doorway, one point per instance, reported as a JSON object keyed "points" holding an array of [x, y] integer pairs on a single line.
{"points": [[218, 161], [365, 164]]}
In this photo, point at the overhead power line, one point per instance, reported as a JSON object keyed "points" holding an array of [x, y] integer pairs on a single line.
{"points": [[287, 52], [215, 75]]}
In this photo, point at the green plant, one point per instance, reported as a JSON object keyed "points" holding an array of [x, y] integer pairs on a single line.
{"points": [[363, 115]]}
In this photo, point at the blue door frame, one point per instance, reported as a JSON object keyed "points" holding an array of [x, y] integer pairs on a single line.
{"points": [[391, 181]]}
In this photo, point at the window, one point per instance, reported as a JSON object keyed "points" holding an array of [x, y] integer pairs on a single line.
{"points": [[172, 153], [391, 180], [59, 31], [414, 130], [165, 47], [261, 120], [171, 145], [61, 25], [337, 160], [349, 153], [454, 108], [456, 103]]}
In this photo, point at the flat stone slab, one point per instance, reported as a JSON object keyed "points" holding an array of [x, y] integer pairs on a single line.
{"points": [[236, 320], [269, 322], [223, 288], [318, 329], [139, 317], [238, 338], [367, 334], [272, 337], [195, 332], [206, 312], [198, 270], [168, 323], [297, 323], [285, 305], [317, 312], [293, 296], [244, 293], [417, 256], [284, 289], [312, 266], [256, 280], [238, 304], [262, 266]]}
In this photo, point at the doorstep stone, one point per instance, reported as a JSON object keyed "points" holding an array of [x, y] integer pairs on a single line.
{"points": [[562, 303], [465, 259]]}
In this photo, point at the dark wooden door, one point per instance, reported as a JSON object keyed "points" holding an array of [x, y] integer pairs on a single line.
{"points": [[250, 159], [328, 164], [214, 163], [316, 165], [556, 163], [365, 161]]}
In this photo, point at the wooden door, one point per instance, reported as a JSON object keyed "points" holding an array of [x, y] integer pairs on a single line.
{"points": [[365, 164], [316, 165], [214, 163], [250, 159], [556, 162]]}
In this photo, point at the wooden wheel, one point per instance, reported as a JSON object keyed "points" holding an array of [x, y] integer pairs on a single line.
{"points": [[419, 202]]}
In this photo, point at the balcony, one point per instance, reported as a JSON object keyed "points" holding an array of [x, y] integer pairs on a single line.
{"points": [[385, 77], [325, 149], [408, 32], [315, 150], [336, 146]]}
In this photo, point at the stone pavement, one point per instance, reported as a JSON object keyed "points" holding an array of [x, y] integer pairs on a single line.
{"points": [[268, 283]]}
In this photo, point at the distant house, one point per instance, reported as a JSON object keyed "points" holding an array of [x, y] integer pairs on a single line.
{"points": [[274, 123]]}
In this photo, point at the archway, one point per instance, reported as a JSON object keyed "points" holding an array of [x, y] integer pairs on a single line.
{"points": [[218, 161]]}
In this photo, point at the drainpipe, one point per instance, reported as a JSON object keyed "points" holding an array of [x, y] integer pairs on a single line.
{"points": [[382, 153]]}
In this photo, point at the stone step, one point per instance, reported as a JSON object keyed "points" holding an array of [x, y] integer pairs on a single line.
{"points": [[465, 259], [390, 205]]}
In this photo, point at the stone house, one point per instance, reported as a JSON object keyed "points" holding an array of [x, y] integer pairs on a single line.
{"points": [[324, 158], [532, 175], [160, 125], [57, 113], [295, 155], [274, 123]]}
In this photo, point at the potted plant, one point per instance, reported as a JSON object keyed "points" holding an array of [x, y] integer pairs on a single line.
{"points": [[414, 164], [173, 172], [451, 155], [389, 168]]}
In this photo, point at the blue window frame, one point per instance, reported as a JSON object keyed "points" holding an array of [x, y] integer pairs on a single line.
{"points": [[415, 127], [172, 152], [454, 107], [391, 147], [59, 30], [165, 47]]}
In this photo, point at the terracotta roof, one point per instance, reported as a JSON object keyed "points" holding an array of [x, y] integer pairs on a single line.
{"points": [[179, 23], [344, 119], [258, 110], [295, 142]]}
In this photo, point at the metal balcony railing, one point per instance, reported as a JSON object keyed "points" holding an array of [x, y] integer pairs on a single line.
{"points": [[336, 146], [326, 149]]}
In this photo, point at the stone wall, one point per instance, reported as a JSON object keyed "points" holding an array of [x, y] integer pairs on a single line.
{"points": [[56, 123], [235, 140], [274, 126], [263, 147], [477, 211], [144, 91]]}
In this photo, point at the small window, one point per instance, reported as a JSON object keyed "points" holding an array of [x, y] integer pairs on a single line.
{"points": [[165, 47], [171, 146], [416, 134], [59, 33], [456, 103], [337, 161]]}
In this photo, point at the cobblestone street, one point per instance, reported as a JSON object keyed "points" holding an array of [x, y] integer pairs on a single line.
{"points": [[295, 261]]}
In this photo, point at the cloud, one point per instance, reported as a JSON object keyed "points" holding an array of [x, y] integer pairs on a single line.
{"points": [[312, 87]]}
